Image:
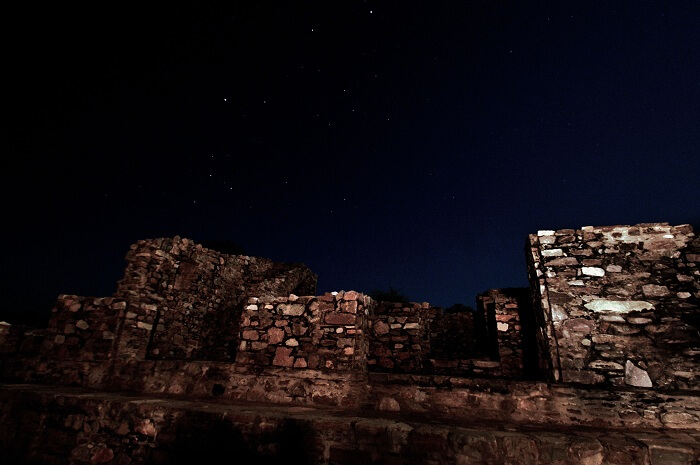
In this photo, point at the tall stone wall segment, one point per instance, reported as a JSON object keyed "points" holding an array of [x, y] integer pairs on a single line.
{"points": [[619, 305], [193, 296]]}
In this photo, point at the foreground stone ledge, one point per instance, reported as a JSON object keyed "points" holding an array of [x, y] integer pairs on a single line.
{"points": [[444, 397], [72, 425]]}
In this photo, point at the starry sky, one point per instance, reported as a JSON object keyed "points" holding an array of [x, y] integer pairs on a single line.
{"points": [[385, 144]]}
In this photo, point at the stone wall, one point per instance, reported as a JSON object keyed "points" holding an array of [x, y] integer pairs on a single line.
{"points": [[324, 332], [459, 345], [418, 338], [193, 296], [619, 305], [513, 336], [50, 426], [399, 337], [84, 328]]}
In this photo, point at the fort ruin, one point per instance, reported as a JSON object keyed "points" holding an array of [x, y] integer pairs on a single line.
{"points": [[597, 362]]}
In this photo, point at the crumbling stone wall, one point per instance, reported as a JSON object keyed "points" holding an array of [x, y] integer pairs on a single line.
{"points": [[84, 328], [323, 332], [460, 345], [619, 305], [400, 338], [512, 329], [418, 338], [457, 342], [193, 296], [10, 337]]}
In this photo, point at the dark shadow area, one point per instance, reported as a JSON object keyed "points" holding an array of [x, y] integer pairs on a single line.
{"points": [[210, 439]]}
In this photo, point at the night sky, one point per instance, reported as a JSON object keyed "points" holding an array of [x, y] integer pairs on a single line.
{"points": [[410, 145]]}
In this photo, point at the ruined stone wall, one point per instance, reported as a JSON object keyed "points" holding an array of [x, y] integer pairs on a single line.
{"points": [[512, 328], [83, 328], [418, 338], [10, 337], [193, 296], [456, 344], [399, 336], [619, 304], [323, 332]]}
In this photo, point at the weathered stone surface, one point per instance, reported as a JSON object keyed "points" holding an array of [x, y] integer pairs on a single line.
{"points": [[613, 306], [274, 335], [291, 309], [653, 290], [283, 358], [388, 404], [340, 319], [635, 376], [621, 306], [631, 282], [592, 271]]}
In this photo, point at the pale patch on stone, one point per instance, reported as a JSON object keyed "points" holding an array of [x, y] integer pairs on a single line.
{"points": [[585, 342], [612, 318], [144, 325], [291, 309], [548, 240], [558, 313], [653, 290], [613, 269], [603, 365], [683, 295], [552, 253], [639, 320], [82, 324], [545, 232], [593, 271], [635, 376], [620, 306], [502, 326], [576, 282], [291, 342], [487, 363]]}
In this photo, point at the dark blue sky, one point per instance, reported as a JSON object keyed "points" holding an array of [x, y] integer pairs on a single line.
{"points": [[411, 145]]}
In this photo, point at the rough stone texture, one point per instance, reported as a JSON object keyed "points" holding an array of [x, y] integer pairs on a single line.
{"points": [[612, 315], [611, 296], [193, 296], [78, 427], [324, 332], [510, 326], [399, 337], [460, 345]]}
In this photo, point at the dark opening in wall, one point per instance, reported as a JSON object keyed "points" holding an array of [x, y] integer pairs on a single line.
{"points": [[218, 390]]}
